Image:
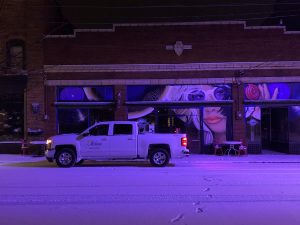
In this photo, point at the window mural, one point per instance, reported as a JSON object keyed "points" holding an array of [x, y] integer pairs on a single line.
{"points": [[72, 120], [85, 94], [215, 122], [75, 119], [258, 118]]}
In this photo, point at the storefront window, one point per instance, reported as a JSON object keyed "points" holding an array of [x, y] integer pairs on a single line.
{"points": [[11, 117], [85, 94], [270, 122], [272, 91], [217, 124], [204, 125], [72, 120], [294, 124], [78, 116], [253, 124], [76, 120]]}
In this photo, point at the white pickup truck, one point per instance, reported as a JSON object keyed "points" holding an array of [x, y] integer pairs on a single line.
{"points": [[115, 140]]}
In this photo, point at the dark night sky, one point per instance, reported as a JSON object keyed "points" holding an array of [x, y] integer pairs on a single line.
{"points": [[96, 13]]}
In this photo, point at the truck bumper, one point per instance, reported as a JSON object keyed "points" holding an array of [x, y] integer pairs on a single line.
{"points": [[186, 152], [49, 154], [182, 154]]}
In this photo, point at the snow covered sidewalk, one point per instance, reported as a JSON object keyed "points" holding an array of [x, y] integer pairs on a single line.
{"points": [[263, 158], [192, 159], [17, 158]]}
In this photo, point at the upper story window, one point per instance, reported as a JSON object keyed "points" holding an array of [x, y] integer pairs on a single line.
{"points": [[16, 54]]}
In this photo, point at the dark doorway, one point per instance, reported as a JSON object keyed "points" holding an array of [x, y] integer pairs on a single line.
{"points": [[274, 129]]}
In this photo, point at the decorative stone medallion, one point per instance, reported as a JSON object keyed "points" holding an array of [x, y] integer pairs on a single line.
{"points": [[178, 47]]}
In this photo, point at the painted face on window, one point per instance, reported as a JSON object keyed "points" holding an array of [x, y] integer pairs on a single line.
{"points": [[214, 119], [208, 93], [212, 116]]}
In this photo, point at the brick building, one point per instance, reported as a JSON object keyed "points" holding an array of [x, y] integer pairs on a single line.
{"points": [[215, 80], [22, 29]]}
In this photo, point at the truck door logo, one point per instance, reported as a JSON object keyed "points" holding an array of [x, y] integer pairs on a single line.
{"points": [[92, 143]]}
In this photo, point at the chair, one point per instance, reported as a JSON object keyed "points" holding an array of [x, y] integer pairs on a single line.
{"points": [[242, 149], [218, 150]]}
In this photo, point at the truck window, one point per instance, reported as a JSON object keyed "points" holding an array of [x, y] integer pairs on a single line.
{"points": [[122, 129], [99, 130]]}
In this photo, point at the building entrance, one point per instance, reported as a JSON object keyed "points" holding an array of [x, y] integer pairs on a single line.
{"points": [[275, 129]]}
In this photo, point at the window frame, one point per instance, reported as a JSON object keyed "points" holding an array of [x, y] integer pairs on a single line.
{"points": [[9, 46], [97, 127], [123, 133]]}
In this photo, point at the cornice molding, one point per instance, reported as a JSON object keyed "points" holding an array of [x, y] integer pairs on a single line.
{"points": [[218, 66], [114, 26], [227, 80]]}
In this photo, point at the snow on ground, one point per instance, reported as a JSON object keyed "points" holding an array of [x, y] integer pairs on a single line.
{"points": [[200, 189]]}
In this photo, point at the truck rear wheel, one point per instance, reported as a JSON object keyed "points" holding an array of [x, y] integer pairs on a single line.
{"points": [[65, 158], [159, 158]]}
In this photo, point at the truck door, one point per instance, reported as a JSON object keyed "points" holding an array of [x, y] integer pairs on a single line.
{"points": [[123, 142], [96, 143]]}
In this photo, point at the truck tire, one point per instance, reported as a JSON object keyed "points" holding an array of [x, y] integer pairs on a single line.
{"points": [[159, 158], [65, 158]]}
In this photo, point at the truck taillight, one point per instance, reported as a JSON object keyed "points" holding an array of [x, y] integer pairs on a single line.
{"points": [[184, 141]]}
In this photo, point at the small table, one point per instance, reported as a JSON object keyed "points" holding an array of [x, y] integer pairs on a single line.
{"points": [[231, 147]]}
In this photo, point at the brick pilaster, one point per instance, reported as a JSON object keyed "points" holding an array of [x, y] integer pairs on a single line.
{"points": [[120, 98], [238, 114]]}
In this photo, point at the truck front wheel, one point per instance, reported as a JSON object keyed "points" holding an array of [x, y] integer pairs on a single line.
{"points": [[65, 158], [159, 158]]}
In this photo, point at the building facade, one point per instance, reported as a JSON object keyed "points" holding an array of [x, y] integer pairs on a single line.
{"points": [[23, 25], [215, 81]]}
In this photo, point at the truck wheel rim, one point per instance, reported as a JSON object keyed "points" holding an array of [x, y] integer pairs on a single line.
{"points": [[65, 158], [159, 158]]}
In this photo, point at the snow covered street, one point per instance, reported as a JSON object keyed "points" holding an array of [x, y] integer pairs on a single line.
{"points": [[199, 189]]}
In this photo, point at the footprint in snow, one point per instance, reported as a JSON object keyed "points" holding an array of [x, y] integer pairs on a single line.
{"points": [[206, 189], [199, 210], [196, 203], [209, 179], [177, 218]]}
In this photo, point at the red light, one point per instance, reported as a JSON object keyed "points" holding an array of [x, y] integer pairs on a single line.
{"points": [[184, 141]]}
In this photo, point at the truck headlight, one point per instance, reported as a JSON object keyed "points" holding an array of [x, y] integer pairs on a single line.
{"points": [[49, 143]]}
